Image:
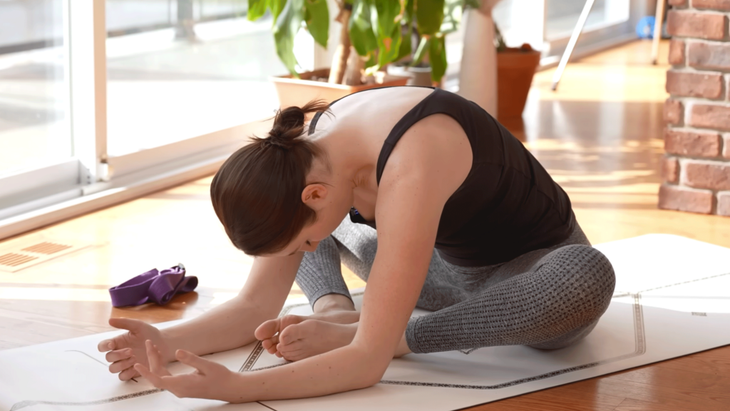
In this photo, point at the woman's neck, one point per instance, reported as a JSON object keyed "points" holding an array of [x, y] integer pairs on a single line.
{"points": [[344, 159]]}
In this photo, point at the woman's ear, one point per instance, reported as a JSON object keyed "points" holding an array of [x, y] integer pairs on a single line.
{"points": [[314, 196]]}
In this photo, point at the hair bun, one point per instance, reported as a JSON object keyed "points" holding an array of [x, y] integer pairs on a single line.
{"points": [[289, 124]]}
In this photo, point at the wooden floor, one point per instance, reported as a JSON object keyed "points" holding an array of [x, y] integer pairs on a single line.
{"points": [[600, 138]]}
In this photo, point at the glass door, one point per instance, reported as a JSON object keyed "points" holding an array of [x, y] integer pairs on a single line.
{"points": [[36, 147], [180, 73], [102, 101]]}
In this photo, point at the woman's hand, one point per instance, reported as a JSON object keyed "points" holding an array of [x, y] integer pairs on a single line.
{"points": [[125, 350], [210, 380]]}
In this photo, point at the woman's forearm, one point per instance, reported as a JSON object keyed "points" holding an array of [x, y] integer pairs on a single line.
{"points": [[344, 369], [232, 324], [228, 326]]}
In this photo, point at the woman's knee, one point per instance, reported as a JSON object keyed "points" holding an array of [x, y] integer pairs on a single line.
{"points": [[584, 277], [567, 339]]}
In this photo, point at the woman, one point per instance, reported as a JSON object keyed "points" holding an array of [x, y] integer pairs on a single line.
{"points": [[469, 225]]}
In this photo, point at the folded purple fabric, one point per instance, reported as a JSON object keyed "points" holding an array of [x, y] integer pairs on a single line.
{"points": [[153, 286]]}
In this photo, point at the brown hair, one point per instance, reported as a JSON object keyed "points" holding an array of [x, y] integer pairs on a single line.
{"points": [[257, 191]]}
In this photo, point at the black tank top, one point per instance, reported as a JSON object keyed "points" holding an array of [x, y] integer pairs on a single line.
{"points": [[508, 204]]}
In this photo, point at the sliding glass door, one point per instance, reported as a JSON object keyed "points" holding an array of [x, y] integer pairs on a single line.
{"points": [[36, 147], [111, 96]]}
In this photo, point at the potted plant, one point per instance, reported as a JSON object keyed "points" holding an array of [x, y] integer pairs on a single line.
{"points": [[515, 69], [378, 31]]}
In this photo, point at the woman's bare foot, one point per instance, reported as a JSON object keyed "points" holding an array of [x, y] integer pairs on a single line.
{"points": [[312, 337], [269, 332]]}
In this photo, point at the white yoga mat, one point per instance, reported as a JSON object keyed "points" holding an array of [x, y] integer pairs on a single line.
{"points": [[672, 299]]}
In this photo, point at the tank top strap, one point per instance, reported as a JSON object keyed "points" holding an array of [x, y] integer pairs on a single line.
{"points": [[438, 102]]}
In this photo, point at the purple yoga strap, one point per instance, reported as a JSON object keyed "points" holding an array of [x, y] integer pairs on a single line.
{"points": [[155, 286]]}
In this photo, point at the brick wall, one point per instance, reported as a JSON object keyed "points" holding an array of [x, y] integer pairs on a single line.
{"points": [[696, 167]]}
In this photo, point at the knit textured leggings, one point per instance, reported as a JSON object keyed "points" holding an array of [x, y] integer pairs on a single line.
{"points": [[548, 298]]}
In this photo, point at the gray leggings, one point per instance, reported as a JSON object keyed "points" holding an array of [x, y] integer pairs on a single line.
{"points": [[548, 298]]}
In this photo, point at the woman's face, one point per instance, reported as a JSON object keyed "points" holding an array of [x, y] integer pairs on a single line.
{"points": [[330, 214]]}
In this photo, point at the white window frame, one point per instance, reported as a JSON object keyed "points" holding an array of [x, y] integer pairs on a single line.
{"points": [[92, 179]]}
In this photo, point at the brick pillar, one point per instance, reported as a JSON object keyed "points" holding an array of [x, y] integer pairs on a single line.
{"points": [[696, 167]]}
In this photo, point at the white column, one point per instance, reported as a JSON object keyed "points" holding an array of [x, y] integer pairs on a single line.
{"points": [[85, 25]]}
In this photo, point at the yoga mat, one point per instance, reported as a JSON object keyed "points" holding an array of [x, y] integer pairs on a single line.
{"points": [[672, 298]]}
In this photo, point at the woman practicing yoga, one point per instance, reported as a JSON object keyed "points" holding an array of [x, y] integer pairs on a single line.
{"points": [[469, 226]]}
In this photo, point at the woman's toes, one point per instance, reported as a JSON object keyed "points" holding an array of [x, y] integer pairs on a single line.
{"points": [[269, 345], [267, 329], [291, 334], [290, 319], [291, 352]]}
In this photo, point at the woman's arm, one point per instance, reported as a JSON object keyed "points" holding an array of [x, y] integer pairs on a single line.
{"points": [[232, 324], [228, 326]]}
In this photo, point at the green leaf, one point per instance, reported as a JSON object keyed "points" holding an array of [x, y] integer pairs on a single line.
{"points": [[318, 20], [429, 16], [276, 7], [383, 16], [422, 49], [408, 12], [437, 57], [256, 9], [285, 29], [475, 4], [405, 44], [362, 36], [388, 12]]}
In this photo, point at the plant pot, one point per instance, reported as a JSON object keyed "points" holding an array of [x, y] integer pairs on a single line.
{"points": [[515, 69], [419, 75], [297, 92]]}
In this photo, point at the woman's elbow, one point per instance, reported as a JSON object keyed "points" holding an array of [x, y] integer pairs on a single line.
{"points": [[373, 368]]}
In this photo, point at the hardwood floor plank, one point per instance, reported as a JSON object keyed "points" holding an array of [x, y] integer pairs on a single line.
{"points": [[638, 405]]}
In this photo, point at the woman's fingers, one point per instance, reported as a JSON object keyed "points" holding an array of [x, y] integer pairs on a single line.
{"points": [[117, 355], [153, 356], [133, 326], [202, 365], [106, 345], [128, 324], [145, 372], [122, 365], [128, 374]]}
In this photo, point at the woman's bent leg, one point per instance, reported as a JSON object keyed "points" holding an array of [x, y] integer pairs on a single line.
{"points": [[555, 303], [320, 273]]}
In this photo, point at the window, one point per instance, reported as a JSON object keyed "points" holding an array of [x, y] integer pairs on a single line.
{"points": [[104, 100]]}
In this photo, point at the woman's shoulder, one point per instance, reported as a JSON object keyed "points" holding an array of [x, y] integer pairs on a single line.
{"points": [[434, 153]]}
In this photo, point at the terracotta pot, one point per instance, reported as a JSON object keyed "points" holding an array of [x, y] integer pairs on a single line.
{"points": [[515, 69], [297, 92]]}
